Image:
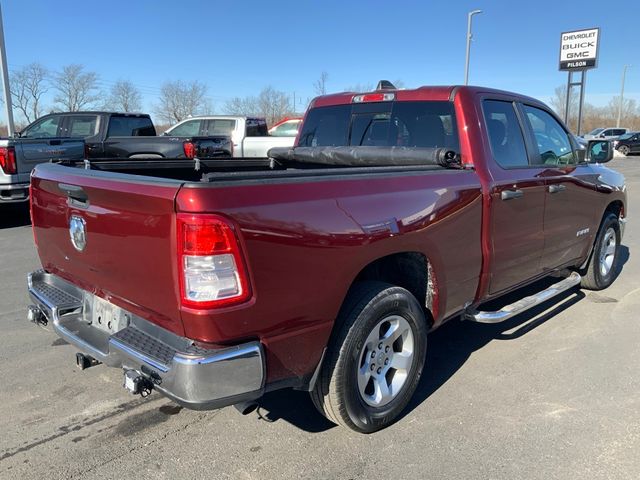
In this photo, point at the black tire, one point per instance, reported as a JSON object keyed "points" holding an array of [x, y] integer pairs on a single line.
{"points": [[624, 150], [595, 278], [336, 393]]}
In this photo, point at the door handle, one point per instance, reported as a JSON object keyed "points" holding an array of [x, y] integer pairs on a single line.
{"points": [[76, 196], [557, 187], [510, 194]]}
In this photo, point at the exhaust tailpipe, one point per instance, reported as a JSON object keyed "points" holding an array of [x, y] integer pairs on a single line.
{"points": [[245, 408]]}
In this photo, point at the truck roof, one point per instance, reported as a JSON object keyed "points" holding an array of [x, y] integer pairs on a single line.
{"points": [[99, 112], [224, 117], [433, 93]]}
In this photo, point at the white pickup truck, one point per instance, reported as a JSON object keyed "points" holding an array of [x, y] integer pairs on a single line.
{"points": [[250, 135]]}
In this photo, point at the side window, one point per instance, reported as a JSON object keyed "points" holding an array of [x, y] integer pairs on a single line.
{"points": [[554, 147], [220, 127], [190, 128], [287, 129], [619, 132], [45, 128], [607, 133], [82, 125], [257, 127], [505, 134], [130, 127]]}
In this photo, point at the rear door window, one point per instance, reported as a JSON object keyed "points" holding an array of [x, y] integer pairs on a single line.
{"points": [[505, 134], [385, 124], [220, 127], [81, 125]]}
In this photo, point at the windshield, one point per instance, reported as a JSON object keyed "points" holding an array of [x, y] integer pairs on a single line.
{"points": [[626, 136], [383, 124], [595, 131]]}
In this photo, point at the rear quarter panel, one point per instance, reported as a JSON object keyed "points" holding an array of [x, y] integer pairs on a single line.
{"points": [[307, 241]]}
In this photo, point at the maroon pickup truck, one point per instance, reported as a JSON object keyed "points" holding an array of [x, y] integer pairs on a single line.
{"points": [[323, 267]]}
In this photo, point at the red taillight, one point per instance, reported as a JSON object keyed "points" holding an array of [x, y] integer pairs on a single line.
{"points": [[374, 97], [212, 268], [206, 238], [8, 160], [189, 150]]}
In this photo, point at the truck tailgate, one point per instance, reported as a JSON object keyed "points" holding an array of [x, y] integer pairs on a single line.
{"points": [[129, 257]]}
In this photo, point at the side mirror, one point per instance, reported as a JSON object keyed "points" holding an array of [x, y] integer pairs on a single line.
{"points": [[599, 151]]}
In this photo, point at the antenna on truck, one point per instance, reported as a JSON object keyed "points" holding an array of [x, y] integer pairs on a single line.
{"points": [[385, 85]]}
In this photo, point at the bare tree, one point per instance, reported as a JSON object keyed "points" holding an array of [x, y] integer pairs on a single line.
{"points": [[274, 105], [242, 106], [179, 100], [271, 104], [28, 85], [359, 87], [629, 109], [320, 85], [124, 96], [558, 101], [76, 88]]}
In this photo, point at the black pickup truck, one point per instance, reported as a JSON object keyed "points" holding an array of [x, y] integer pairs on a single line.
{"points": [[125, 135]]}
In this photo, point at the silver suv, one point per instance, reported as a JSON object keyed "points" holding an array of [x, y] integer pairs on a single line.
{"points": [[605, 133]]}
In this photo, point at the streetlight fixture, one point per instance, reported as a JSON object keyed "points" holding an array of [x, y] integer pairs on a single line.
{"points": [[624, 74], [469, 36]]}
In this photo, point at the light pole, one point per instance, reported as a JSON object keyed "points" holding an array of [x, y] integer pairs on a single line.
{"points": [[469, 36], [624, 74], [4, 73]]}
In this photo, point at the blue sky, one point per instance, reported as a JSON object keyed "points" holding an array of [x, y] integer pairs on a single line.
{"points": [[237, 48]]}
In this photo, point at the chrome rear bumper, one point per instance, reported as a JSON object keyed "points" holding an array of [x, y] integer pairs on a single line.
{"points": [[17, 192], [194, 377]]}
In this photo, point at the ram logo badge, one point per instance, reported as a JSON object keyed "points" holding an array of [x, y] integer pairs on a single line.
{"points": [[78, 232], [584, 231]]}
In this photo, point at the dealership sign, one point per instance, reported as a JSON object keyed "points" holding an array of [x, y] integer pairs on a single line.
{"points": [[579, 49]]}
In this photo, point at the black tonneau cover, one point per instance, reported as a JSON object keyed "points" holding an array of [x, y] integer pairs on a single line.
{"points": [[359, 156]]}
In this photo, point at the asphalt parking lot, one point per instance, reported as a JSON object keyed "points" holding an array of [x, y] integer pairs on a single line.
{"points": [[552, 394]]}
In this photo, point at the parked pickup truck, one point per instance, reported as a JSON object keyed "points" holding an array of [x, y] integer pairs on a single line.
{"points": [[250, 135], [324, 267], [18, 156], [125, 135]]}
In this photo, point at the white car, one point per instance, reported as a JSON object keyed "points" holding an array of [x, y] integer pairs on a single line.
{"points": [[605, 133], [249, 135]]}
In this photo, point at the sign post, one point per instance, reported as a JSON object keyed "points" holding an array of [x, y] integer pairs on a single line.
{"points": [[578, 52]]}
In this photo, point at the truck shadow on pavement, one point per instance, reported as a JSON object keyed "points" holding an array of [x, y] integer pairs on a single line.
{"points": [[14, 215], [449, 348]]}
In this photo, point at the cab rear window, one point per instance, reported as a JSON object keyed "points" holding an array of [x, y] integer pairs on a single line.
{"points": [[384, 124], [130, 127]]}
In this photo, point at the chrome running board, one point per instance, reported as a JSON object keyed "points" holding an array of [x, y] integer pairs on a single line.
{"points": [[525, 303]]}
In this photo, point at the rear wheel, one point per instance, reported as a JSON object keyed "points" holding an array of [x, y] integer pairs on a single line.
{"points": [[624, 150], [375, 360], [603, 266]]}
